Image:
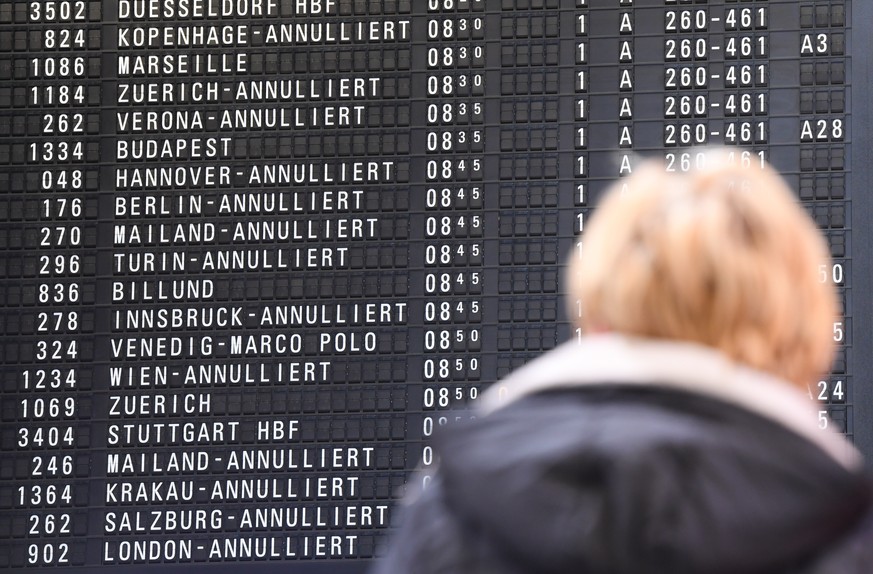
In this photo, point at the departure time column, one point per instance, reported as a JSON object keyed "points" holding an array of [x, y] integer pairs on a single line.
{"points": [[451, 220]]}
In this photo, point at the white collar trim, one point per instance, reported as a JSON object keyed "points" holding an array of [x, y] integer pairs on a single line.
{"points": [[616, 359]]}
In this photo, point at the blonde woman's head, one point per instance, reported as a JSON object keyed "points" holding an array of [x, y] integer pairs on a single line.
{"points": [[720, 255]]}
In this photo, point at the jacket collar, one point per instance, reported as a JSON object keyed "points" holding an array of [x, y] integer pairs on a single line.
{"points": [[617, 359]]}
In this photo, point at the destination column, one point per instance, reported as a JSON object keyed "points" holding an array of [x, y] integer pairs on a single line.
{"points": [[250, 402]]}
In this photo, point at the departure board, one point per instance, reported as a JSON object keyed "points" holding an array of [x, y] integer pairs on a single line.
{"points": [[254, 253]]}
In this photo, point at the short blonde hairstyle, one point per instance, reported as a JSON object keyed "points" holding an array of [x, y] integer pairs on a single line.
{"points": [[721, 255]]}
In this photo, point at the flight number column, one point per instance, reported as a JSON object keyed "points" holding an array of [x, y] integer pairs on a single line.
{"points": [[452, 220], [49, 327]]}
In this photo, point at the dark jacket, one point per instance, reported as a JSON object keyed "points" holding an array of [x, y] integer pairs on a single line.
{"points": [[639, 457]]}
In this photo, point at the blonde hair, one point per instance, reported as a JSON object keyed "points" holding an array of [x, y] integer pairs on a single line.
{"points": [[720, 255]]}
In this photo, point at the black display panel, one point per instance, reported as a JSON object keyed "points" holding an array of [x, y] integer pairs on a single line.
{"points": [[255, 252]]}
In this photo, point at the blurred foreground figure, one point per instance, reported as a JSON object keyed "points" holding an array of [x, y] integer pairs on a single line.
{"points": [[678, 436]]}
